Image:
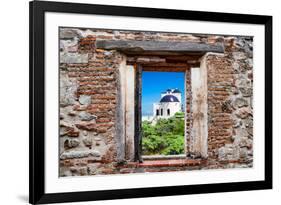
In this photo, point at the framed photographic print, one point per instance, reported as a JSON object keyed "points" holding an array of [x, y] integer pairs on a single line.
{"points": [[139, 102]]}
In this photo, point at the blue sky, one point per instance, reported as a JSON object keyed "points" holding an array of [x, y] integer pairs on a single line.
{"points": [[153, 83]]}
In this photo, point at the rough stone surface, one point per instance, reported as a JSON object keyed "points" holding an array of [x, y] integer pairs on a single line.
{"points": [[89, 99], [246, 92], [240, 102], [68, 89], [69, 131], [70, 46], [88, 141], [79, 154], [239, 55], [243, 112], [228, 152], [73, 58], [85, 99], [71, 143], [158, 46], [84, 116], [68, 33]]}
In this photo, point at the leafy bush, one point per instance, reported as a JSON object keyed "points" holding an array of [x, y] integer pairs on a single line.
{"points": [[166, 137]]}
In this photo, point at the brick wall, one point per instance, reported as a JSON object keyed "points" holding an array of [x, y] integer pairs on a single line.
{"points": [[89, 86], [230, 79]]}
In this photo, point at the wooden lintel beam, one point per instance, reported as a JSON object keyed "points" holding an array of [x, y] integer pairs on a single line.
{"points": [[161, 47], [146, 60]]}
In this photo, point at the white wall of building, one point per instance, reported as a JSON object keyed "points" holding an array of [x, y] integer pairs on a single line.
{"points": [[173, 107], [167, 109]]}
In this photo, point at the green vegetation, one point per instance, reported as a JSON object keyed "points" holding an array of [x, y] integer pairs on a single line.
{"points": [[166, 137]]}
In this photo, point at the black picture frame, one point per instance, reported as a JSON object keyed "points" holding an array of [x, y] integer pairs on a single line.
{"points": [[37, 194]]}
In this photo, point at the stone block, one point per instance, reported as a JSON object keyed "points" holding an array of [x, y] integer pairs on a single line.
{"points": [[243, 112], [88, 142], [248, 122], [246, 92], [93, 168], [241, 132], [71, 143], [243, 82], [240, 102], [68, 33], [85, 116], [239, 55], [79, 154], [69, 131], [228, 152], [79, 171], [243, 152], [68, 89], [89, 126], [85, 99], [73, 58]]}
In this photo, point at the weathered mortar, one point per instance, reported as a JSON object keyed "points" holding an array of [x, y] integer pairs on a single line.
{"points": [[89, 101]]}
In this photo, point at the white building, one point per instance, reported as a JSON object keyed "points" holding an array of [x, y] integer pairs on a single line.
{"points": [[169, 104]]}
